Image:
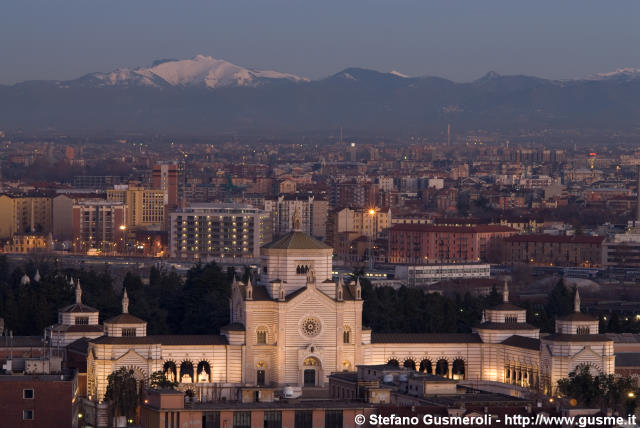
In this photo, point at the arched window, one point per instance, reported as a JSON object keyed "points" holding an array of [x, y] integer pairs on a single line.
{"points": [[346, 334], [582, 330], [261, 336]]}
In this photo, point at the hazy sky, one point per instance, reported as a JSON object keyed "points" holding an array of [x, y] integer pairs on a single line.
{"points": [[460, 40]]}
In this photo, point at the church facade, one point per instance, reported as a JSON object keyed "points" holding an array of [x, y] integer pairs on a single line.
{"points": [[295, 325]]}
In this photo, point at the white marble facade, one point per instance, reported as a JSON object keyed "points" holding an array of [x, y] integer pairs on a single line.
{"points": [[294, 325]]}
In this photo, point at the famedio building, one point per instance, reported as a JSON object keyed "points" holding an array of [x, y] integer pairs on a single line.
{"points": [[296, 325]]}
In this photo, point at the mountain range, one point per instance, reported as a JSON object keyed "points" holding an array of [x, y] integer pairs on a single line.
{"points": [[208, 95]]}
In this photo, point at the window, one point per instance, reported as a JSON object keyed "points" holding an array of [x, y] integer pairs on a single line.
{"points": [[333, 419], [261, 336], [582, 330], [346, 334], [27, 415], [241, 419], [27, 394], [511, 319], [273, 419], [129, 331], [211, 420], [304, 419], [82, 320]]}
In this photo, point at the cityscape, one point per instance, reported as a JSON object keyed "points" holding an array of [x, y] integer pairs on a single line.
{"points": [[194, 243]]}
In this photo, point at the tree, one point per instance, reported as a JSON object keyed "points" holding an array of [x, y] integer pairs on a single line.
{"points": [[603, 391], [122, 391], [158, 380]]}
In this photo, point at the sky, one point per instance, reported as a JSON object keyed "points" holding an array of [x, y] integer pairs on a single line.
{"points": [[456, 39]]}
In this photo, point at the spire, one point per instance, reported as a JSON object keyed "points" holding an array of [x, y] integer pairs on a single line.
{"points": [[297, 221], [78, 293], [505, 292], [249, 294], [125, 302], [340, 289], [576, 301], [358, 289], [37, 276]]}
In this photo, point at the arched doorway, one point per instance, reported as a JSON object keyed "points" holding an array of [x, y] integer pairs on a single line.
{"points": [[458, 369], [442, 368], [393, 363], [425, 366], [311, 372], [204, 372], [186, 372], [409, 363], [169, 370]]}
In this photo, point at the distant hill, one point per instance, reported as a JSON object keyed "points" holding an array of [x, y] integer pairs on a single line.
{"points": [[204, 94]]}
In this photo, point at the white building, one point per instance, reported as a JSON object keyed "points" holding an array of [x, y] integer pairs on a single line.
{"points": [[429, 274], [296, 325]]}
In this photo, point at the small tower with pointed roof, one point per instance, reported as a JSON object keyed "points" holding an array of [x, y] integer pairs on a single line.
{"points": [[75, 321], [505, 320], [577, 322], [125, 324]]}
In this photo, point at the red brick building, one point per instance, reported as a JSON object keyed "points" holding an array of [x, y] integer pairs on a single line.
{"points": [[37, 401], [539, 249], [425, 243]]}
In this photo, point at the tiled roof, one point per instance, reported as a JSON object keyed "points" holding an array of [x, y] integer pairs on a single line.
{"points": [[78, 307], [170, 340], [628, 359], [297, 241], [578, 316], [506, 326], [576, 338], [21, 341], [125, 319], [506, 307], [425, 338], [482, 228], [559, 239], [522, 342], [78, 328]]}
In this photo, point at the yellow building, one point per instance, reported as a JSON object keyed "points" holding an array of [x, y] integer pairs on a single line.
{"points": [[368, 222], [145, 206], [24, 214]]}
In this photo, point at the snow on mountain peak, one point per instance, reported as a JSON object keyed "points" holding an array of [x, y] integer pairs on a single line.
{"points": [[201, 70], [397, 73], [620, 73]]}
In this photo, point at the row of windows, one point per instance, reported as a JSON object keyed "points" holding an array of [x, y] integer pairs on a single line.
{"points": [[273, 419]]}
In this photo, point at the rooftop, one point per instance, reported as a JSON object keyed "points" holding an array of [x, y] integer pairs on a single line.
{"points": [[297, 241], [425, 338]]}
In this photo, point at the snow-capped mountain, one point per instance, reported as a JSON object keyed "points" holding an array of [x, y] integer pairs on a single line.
{"points": [[627, 73], [200, 71]]}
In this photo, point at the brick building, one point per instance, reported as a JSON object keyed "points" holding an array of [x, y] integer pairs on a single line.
{"points": [[555, 250], [36, 401], [425, 243]]}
